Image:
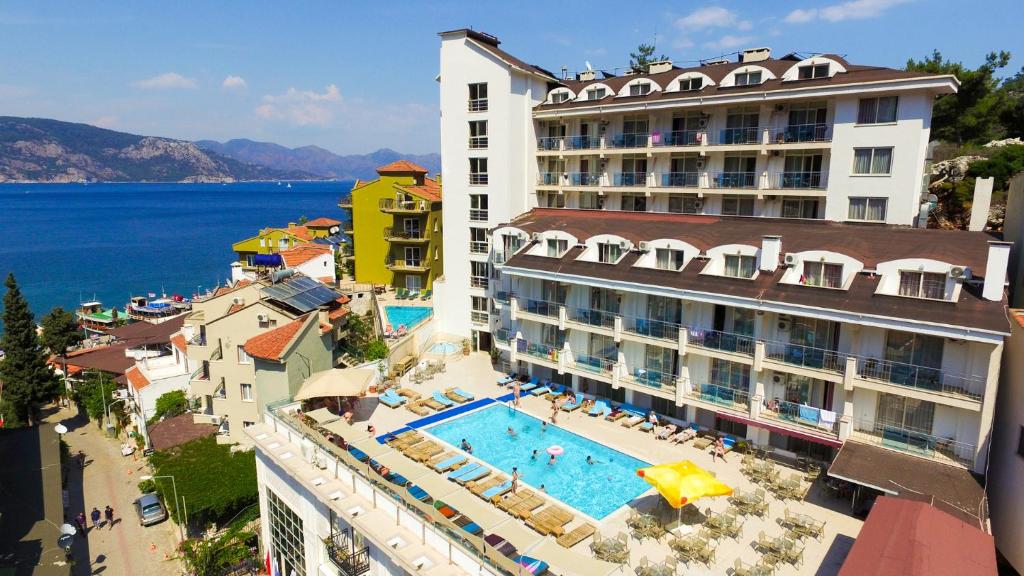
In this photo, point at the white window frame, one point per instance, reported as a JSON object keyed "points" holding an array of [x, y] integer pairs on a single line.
{"points": [[814, 68], [242, 390], [822, 276], [875, 121], [243, 356], [739, 266], [868, 200], [596, 93], [922, 277], [747, 77], [561, 246], [606, 251], [687, 84], [560, 97], [872, 160], [640, 89]]}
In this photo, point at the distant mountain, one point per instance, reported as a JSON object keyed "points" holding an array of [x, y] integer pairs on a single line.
{"points": [[316, 160], [43, 150]]}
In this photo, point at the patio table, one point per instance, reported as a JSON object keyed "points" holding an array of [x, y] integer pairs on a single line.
{"points": [[610, 550], [655, 570]]}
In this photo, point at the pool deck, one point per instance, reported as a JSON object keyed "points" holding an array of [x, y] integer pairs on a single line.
{"points": [[475, 374]]}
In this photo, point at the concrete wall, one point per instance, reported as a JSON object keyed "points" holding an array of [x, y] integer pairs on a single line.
{"points": [[1006, 474]]}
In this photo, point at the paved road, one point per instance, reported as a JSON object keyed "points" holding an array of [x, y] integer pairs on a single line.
{"points": [[111, 479]]}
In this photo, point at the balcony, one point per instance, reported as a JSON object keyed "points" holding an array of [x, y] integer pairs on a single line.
{"points": [[546, 353], [477, 142], [398, 235], [344, 555], [803, 416], [582, 143], [676, 138], [741, 180], [584, 179], [592, 365], [798, 180], [502, 297], [550, 179], [540, 310], [735, 136], [550, 143], [654, 380], [921, 378], [478, 179], [479, 247], [721, 341], [393, 206], [805, 357], [643, 329], [477, 105], [595, 318], [477, 215], [678, 179], [479, 317], [629, 179], [633, 140], [915, 442], [502, 336], [732, 398], [345, 202], [478, 282], [413, 265], [804, 133]]}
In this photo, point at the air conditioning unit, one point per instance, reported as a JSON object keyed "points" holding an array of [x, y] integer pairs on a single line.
{"points": [[780, 107], [960, 272], [776, 378], [771, 198], [121, 394], [262, 318], [698, 205], [700, 163], [784, 324], [645, 247], [624, 244], [776, 153], [535, 237], [604, 163], [238, 300], [703, 122], [215, 420], [791, 259]]}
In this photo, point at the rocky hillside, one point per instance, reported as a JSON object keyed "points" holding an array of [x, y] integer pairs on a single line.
{"points": [[316, 160], [43, 150]]}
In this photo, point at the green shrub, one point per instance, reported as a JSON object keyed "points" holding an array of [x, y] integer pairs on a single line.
{"points": [[170, 404], [376, 350]]}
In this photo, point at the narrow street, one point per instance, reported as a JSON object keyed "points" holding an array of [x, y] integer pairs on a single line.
{"points": [[111, 479]]}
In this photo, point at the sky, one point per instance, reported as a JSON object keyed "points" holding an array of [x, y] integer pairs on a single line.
{"points": [[353, 77]]}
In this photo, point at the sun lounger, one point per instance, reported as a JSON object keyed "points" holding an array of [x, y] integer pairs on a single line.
{"points": [[632, 421], [500, 545], [525, 508], [531, 565], [541, 391], [480, 487], [459, 395], [432, 404], [418, 493], [573, 404], [577, 535], [468, 468], [556, 391], [400, 293], [615, 415], [440, 398], [533, 383], [424, 451], [358, 454], [393, 439], [550, 520], [600, 408], [467, 524], [473, 476], [495, 492], [390, 399], [410, 394], [427, 294], [417, 408], [449, 463], [513, 499], [506, 379], [647, 426]]}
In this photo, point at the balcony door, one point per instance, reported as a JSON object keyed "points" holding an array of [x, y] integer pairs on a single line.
{"points": [[412, 256], [411, 226], [604, 300], [413, 282]]}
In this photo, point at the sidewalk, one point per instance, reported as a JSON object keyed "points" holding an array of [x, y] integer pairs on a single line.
{"points": [[111, 479]]}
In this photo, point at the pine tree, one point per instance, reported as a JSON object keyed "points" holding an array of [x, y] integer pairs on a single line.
{"points": [[28, 382]]}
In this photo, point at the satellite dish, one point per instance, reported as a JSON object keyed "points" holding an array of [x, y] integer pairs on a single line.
{"points": [[61, 429]]}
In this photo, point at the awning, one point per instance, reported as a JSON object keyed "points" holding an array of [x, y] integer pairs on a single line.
{"points": [[951, 488], [267, 260], [907, 538], [340, 382]]}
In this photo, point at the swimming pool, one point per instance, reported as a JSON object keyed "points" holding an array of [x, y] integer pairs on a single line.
{"points": [[444, 348], [408, 315], [594, 489]]}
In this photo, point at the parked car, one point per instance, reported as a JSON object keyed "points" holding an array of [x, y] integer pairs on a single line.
{"points": [[150, 509]]}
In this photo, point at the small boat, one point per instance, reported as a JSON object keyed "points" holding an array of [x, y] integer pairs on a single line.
{"points": [[157, 310], [94, 320], [289, 185]]}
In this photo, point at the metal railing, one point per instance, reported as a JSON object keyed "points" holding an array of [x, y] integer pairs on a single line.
{"points": [[345, 201], [541, 307], [734, 180], [657, 379], [478, 104], [477, 142], [594, 364], [805, 356], [403, 206], [915, 442], [478, 214], [804, 133], [740, 136], [582, 143], [651, 328], [678, 179], [921, 377], [478, 178], [677, 138], [633, 140], [478, 282], [478, 316], [502, 297], [478, 247], [584, 178], [543, 351], [549, 143], [723, 396], [343, 554], [802, 414], [405, 263], [594, 317], [629, 179], [799, 180], [719, 340], [400, 234], [550, 178], [502, 335]]}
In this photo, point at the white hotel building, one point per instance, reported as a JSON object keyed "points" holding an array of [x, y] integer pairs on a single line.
{"points": [[731, 245]]}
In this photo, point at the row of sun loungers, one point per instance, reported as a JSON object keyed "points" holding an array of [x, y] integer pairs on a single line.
{"points": [[550, 520], [422, 406]]}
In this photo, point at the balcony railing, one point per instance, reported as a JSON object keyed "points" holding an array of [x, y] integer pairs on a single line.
{"points": [[407, 264], [803, 415], [393, 205], [478, 215], [478, 247], [584, 178], [740, 136], [478, 104], [543, 351], [549, 143], [734, 180], [550, 178], [659, 380], [676, 138], [542, 308], [478, 282], [805, 356], [804, 133], [395, 234], [502, 335], [629, 179], [634, 140], [724, 396], [799, 180], [593, 317], [915, 442], [678, 179], [345, 202], [502, 297], [477, 142], [594, 364], [341, 550], [478, 316], [921, 377], [478, 178], [582, 143], [650, 328], [724, 341]]}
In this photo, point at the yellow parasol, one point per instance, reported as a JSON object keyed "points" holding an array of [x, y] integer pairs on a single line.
{"points": [[681, 483]]}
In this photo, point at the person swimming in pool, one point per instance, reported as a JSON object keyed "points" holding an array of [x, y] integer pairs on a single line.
{"points": [[466, 446], [590, 460], [543, 426], [542, 489], [511, 432], [551, 460], [533, 456]]}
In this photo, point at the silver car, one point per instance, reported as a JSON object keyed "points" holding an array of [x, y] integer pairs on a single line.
{"points": [[150, 509]]}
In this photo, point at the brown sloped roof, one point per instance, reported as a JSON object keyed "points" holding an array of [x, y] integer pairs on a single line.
{"points": [[111, 359], [401, 167], [142, 333], [178, 430], [490, 43], [271, 344]]}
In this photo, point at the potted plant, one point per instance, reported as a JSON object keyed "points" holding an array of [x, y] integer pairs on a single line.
{"points": [[465, 347]]}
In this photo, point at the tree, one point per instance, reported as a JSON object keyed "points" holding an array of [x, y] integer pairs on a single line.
{"points": [[360, 333], [60, 331], [94, 394], [28, 382], [376, 350], [972, 114], [1012, 117], [303, 219], [170, 404], [221, 554], [643, 57]]}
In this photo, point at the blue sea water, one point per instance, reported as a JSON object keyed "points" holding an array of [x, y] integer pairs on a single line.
{"points": [[71, 242], [595, 489]]}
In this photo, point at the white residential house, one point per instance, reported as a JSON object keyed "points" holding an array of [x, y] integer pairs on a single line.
{"points": [[155, 374]]}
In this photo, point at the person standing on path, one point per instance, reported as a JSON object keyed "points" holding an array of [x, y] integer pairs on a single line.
{"points": [[108, 513], [95, 514], [80, 523]]}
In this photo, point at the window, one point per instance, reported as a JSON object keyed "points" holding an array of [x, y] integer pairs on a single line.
{"points": [[917, 349], [478, 274], [287, 538], [550, 200], [478, 207], [923, 284], [634, 170], [800, 208], [904, 413], [282, 244], [634, 203], [813, 71], [609, 252], [552, 336], [684, 204], [246, 392], [263, 242], [478, 240], [243, 356], [437, 253], [739, 266], [478, 170], [873, 161], [737, 206], [877, 110], [478, 97], [478, 309], [412, 256], [559, 97], [822, 274], [748, 78], [247, 423], [868, 209], [591, 201], [478, 134], [730, 374], [668, 259], [556, 247], [596, 93], [688, 84], [640, 89]]}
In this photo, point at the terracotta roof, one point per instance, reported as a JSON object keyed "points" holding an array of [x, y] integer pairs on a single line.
{"points": [[322, 222], [136, 378], [178, 430], [226, 289], [304, 253], [271, 344], [325, 328], [326, 280], [338, 313], [343, 299], [429, 190], [179, 342], [907, 538], [234, 308], [401, 167]]}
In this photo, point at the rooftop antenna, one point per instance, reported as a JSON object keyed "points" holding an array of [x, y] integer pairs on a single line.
{"points": [[589, 67]]}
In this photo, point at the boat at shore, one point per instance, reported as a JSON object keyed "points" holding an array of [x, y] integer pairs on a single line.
{"points": [[157, 310], [95, 320]]}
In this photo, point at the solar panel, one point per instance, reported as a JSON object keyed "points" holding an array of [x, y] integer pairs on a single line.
{"points": [[301, 292]]}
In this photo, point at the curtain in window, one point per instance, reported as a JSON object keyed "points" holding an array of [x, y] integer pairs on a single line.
{"points": [[747, 266], [833, 275], [732, 265], [933, 286], [867, 111], [910, 283], [730, 374], [798, 389], [662, 258], [882, 163], [886, 109], [862, 161], [875, 209]]}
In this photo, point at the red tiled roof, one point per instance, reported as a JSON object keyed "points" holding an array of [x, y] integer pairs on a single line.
{"points": [[326, 280], [325, 328], [235, 308], [429, 190], [338, 313], [304, 253], [136, 378], [322, 222], [343, 299], [401, 167], [226, 289], [271, 344], [178, 341]]}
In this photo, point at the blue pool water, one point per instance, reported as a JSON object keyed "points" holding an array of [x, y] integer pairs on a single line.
{"points": [[408, 315], [444, 348], [594, 489]]}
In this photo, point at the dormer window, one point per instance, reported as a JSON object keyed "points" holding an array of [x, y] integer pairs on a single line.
{"points": [[669, 259], [748, 78], [739, 266], [931, 285], [556, 247], [559, 97], [822, 274], [640, 89], [813, 71], [596, 93], [690, 84], [609, 253]]}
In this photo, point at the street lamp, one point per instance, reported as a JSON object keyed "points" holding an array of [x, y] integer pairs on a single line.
{"points": [[106, 407], [177, 509]]}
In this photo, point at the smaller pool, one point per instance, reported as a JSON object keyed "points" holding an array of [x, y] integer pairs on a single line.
{"points": [[444, 348], [410, 316]]}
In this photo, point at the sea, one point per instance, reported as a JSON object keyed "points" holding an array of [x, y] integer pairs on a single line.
{"points": [[70, 243]]}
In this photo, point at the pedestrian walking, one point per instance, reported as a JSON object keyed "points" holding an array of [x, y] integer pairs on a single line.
{"points": [[108, 513], [95, 515], [80, 523]]}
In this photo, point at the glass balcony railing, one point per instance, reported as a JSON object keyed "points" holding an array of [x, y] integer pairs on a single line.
{"points": [[921, 377], [502, 297], [634, 140], [593, 364], [917, 442], [804, 133], [676, 138], [724, 341], [592, 317], [802, 414], [724, 396], [740, 136], [651, 378], [551, 178], [734, 180], [546, 352], [629, 179], [551, 143], [541, 307], [584, 179], [651, 328], [805, 356], [799, 180], [678, 179], [582, 143], [502, 335]]}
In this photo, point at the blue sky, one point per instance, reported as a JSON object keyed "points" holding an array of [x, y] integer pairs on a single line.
{"points": [[354, 77]]}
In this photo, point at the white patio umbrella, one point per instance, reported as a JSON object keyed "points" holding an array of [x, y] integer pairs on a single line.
{"points": [[336, 382]]}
